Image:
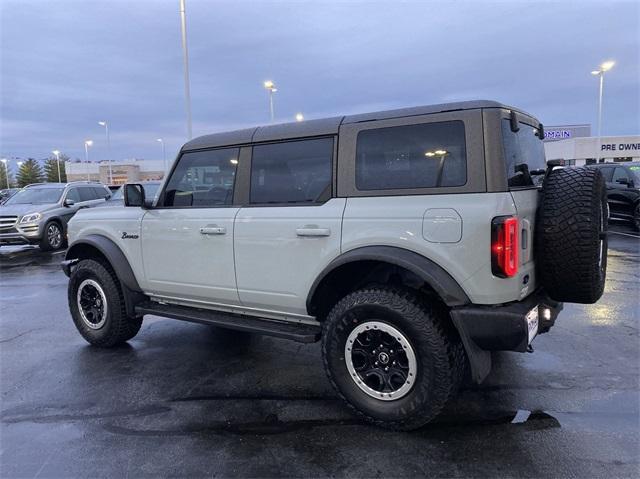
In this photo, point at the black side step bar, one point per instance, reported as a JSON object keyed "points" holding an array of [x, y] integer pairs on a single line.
{"points": [[300, 332]]}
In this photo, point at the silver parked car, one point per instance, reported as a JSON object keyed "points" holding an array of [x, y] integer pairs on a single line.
{"points": [[38, 214]]}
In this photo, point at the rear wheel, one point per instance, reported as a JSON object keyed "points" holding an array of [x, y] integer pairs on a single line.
{"points": [[390, 357], [97, 305]]}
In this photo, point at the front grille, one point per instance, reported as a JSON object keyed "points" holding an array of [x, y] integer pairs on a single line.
{"points": [[7, 221]]}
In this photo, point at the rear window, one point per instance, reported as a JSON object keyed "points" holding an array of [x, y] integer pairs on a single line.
{"points": [[425, 155], [522, 148]]}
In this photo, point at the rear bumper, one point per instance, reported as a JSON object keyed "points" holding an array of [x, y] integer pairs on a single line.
{"points": [[505, 327]]}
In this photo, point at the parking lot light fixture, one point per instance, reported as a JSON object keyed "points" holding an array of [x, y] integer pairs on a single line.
{"points": [[106, 129], [87, 144], [57, 153], [604, 67], [6, 171], [269, 85], [164, 154]]}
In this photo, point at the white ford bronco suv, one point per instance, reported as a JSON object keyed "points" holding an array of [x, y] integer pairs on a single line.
{"points": [[411, 242]]}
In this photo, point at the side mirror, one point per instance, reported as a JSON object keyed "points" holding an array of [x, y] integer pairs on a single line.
{"points": [[134, 195], [69, 202]]}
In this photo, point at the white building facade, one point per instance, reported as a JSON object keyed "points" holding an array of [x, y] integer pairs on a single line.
{"points": [[128, 171], [585, 150]]}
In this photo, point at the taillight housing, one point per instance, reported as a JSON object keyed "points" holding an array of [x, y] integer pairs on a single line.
{"points": [[504, 246]]}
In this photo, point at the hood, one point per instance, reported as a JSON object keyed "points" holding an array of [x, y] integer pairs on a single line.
{"points": [[110, 203], [21, 210]]}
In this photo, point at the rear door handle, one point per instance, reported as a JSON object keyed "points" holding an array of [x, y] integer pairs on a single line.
{"points": [[213, 230], [313, 230]]}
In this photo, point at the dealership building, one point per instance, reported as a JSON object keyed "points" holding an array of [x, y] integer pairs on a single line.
{"points": [[575, 145], [126, 171]]}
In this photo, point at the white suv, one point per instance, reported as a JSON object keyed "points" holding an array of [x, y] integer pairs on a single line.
{"points": [[411, 242]]}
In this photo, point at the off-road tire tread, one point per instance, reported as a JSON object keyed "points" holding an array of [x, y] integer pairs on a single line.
{"points": [[568, 235], [425, 317], [123, 327]]}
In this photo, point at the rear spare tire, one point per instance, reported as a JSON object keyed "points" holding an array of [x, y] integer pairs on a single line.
{"points": [[571, 236]]}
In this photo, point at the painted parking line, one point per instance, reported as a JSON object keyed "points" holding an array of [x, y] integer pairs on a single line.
{"points": [[623, 234]]}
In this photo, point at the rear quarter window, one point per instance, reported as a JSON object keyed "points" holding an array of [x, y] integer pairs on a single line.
{"points": [[523, 149], [426, 155]]}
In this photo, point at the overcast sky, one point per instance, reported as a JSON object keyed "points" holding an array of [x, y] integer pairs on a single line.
{"points": [[68, 64]]}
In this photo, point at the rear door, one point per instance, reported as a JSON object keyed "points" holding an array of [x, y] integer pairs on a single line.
{"points": [[291, 228]]}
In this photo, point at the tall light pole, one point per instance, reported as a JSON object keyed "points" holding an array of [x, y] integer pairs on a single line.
{"points": [[6, 171], [57, 153], [185, 56], [606, 66], [164, 155], [269, 85], [106, 129], [87, 144]]}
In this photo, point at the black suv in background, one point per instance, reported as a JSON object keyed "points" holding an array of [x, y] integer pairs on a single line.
{"points": [[623, 190]]}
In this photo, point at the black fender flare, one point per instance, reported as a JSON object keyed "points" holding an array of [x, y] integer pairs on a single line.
{"points": [[433, 274], [111, 251]]}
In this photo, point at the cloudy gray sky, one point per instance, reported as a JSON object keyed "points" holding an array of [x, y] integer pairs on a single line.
{"points": [[68, 64]]}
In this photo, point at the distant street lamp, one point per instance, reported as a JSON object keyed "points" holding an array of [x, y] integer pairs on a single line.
{"points": [[605, 67], [6, 171], [164, 156], [87, 144], [106, 129], [269, 85], [299, 117], [57, 153]]}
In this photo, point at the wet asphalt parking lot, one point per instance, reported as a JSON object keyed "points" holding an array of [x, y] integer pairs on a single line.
{"points": [[188, 400]]}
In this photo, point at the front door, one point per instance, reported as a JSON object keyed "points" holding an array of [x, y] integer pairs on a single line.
{"points": [[188, 236], [291, 228]]}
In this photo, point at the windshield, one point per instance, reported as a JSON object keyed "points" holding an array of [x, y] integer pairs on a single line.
{"points": [[522, 148], [35, 196], [150, 190]]}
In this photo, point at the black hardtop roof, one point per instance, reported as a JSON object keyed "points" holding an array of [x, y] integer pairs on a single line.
{"points": [[328, 126]]}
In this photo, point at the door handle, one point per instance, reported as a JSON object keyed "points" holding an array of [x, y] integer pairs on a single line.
{"points": [[213, 230], [313, 230]]}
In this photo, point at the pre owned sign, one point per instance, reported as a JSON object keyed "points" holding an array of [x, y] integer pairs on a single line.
{"points": [[620, 146]]}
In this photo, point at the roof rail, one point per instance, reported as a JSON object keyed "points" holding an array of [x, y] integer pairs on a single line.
{"points": [[83, 182], [34, 184]]}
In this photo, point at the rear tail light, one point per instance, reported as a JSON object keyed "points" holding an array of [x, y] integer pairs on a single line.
{"points": [[504, 246]]}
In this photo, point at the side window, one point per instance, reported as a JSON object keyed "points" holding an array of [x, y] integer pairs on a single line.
{"points": [[620, 174], [203, 179], [87, 193], [291, 172], [425, 155], [100, 192], [607, 173], [73, 194]]}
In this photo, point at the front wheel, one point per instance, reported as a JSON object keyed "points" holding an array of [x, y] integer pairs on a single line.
{"points": [[391, 357], [97, 305], [52, 238], [636, 217]]}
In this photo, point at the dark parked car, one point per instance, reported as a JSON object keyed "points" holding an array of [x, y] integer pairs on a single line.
{"points": [[623, 190]]}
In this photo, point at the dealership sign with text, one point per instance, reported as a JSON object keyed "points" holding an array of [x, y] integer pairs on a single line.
{"points": [[620, 147]]}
